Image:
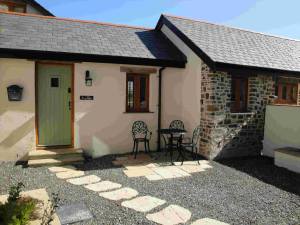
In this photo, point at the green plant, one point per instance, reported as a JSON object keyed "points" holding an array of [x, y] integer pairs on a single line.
{"points": [[50, 209], [14, 192], [17, 210]]}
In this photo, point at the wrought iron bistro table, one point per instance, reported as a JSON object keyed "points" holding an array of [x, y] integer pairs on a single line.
{"points": [[170, 132]]}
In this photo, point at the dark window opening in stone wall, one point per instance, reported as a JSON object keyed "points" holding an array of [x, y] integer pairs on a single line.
{"points": [[287, 91], [239, 94]]}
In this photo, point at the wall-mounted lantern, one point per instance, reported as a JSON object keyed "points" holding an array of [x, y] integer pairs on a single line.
{"points": [[88, 79], [14, 93]]}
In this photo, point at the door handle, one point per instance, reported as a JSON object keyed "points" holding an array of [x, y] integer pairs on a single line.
{"points": [[70, 105]]}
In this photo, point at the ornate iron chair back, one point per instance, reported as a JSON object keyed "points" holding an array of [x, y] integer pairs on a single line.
{"points": [[176, 124], [139, 129], [196, 135]]}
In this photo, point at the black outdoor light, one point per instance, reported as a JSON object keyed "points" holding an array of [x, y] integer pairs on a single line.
{"points": [[14, 93], [88, 79]]}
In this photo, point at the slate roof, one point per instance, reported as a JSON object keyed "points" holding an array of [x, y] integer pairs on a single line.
{"points": [[226, 45], [56, 35]]}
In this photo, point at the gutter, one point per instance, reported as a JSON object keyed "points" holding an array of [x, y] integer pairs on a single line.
{"points": [[159, 107]]}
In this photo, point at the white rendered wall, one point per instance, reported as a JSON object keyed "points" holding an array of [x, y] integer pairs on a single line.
{"points": [[181, 88], [17, 119], [282, 128], [102, 126]]}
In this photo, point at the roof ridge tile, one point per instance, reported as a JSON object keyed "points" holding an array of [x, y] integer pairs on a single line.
{"points": [[231, 27], [74, 20]]}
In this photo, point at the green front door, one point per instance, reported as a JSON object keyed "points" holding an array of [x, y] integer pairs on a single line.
{"points": [[54, 83]]}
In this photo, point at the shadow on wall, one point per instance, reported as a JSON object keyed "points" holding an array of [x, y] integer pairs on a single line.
{"points": [[97, 133], [15, 135], [263, 168], [237, 135]]}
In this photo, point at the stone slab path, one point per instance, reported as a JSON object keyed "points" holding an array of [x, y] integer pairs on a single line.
{"points": [[103, 186], [84, 180], [138, 171], [208, 221], [143, 204], [70, 174], [57, 169], [143, 166], [120, 194], [171, 215]]}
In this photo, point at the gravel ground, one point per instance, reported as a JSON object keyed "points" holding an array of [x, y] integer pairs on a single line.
{"points": [[238, 191]]}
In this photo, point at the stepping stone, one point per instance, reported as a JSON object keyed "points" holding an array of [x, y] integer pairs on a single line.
{"points": [[143, 204], [70, 174], [103, 186], [152, 165], [195, 163], [187, 163], [171, 215], [164, 172], [178, 172], [140, 171], [84, 180], [57, 169], [203, 162], [69, 214], [123, 193], [208, 221], [154, 177], [192, 168], [205, 166]]}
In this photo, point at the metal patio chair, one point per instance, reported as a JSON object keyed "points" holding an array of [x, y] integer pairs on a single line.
{"points": [[176, 124], [140, 133], [192, 143]]}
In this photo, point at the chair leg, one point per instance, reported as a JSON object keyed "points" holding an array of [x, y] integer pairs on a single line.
{"points": [[136, 149], [145, 146], [193, 156], [148, 146], [133, 147], [197, 155]]}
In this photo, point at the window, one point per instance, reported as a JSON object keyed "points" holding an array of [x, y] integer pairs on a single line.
{"points": [[54, 82], [287, 92], [12, 7], [137, 93], [239, 94]]}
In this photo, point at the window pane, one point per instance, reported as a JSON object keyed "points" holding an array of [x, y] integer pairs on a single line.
{"points": [[54, 82], [233, 87], [4, 7], [143, 89], [284, 94], [242, 94], [239, 94], [294, 93], [130, 93]]}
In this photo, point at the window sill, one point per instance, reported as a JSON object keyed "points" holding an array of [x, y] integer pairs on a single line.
{"points": [[241, 113], [137, 112], [291, 105]]}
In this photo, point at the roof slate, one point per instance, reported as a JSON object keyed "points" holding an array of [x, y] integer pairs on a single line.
{"points": [[28, 32], [240, 47]]}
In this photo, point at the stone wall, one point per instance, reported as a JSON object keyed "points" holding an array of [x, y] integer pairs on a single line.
{"points": [[225, 134]]}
